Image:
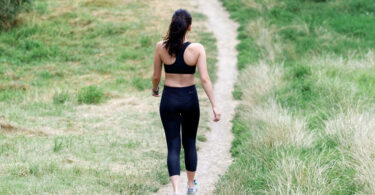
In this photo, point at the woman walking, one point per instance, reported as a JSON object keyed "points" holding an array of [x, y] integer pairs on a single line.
{"points": [[179, 105]]}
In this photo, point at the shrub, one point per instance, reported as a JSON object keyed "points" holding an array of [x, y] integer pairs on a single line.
{"points": [[9, 9], [90, 95]]}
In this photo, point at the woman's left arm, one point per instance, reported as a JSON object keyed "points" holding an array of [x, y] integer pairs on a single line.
{"points": [[157, 69]]}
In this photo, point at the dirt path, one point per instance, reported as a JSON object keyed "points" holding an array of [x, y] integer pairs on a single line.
{"points": [[214, 156]]}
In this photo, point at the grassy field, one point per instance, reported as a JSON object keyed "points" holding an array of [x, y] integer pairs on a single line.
{"points": [[306, 121], [77, 115]]}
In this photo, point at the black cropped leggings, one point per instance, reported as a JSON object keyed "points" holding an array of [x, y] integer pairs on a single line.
{"points": [[179, 107]]}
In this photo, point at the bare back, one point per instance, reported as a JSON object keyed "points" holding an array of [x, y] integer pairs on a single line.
{"points": [[190, 57]]}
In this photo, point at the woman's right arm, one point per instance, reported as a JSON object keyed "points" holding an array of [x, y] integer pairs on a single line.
{"points": [[206, 81]]}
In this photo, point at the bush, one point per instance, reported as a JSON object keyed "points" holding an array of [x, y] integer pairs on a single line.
{"points": [[90, 95], [9, 9]]}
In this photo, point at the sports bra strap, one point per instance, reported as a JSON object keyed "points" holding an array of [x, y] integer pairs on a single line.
{"points": [[179, 66], [184, 46]]}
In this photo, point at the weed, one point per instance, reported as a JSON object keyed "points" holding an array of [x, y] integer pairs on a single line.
{"points": [[90, 95]]}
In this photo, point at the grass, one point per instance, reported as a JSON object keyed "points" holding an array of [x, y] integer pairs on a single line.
{"points": [[9, 11], [90, 95], [77, 116], [306, 91], [61, 97]]}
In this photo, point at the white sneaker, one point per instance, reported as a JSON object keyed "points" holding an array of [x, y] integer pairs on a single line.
{"points": [[192, 190]]}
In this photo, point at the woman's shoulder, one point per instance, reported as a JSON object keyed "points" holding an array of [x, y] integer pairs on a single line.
{"points": [[160, 44], [160, 47], [196, 46]]}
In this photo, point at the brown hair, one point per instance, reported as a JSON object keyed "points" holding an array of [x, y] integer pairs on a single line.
{"points": [[181, 20]]}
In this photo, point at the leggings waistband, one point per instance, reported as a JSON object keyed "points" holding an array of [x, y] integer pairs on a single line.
{"points": [[180, 90]]}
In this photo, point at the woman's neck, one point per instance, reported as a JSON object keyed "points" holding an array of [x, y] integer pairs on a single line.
{"points": [[186, 37]]}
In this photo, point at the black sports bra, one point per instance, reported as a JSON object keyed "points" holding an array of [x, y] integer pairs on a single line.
{"points": [[179, 66]]}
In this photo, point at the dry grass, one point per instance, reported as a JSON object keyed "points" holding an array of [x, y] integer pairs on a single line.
{"points": [[266, 37], [355, 132], [14, 86], [263, 79], [268, 4], [280, 127], [351, 62], [295, 176], [7, 128], [100, 3]]}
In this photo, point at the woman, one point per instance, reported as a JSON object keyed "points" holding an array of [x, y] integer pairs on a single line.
{"points": [[179, 105]]}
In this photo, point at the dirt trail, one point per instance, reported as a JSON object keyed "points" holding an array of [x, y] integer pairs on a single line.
{"points": [[214, 156]]}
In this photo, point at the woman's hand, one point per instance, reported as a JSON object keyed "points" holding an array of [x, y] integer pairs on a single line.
{"points": [[217, 114], [155, 93]]}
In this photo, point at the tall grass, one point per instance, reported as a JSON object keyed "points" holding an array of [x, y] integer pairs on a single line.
{"points": [[9, 9], [307, 96]]}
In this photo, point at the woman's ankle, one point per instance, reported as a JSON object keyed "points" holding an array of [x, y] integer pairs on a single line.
{"points": [[191, 183]]}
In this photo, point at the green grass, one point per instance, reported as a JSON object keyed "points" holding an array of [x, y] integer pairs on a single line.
{"points": [[77, 116], [61, 97], [319, 58], [90, 95], [9, 10]]}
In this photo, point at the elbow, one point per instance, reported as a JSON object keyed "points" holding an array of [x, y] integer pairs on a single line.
{"points": [[205, 81]]}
